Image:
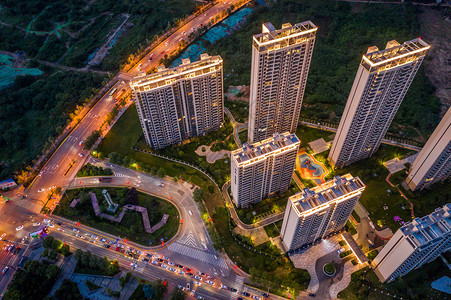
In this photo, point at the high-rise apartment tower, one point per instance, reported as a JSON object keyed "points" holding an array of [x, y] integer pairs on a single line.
{"points": [[182, 102], [433, 163], [280, 64], [414, 244], [315, 213], [263, 169], [380, 85]]}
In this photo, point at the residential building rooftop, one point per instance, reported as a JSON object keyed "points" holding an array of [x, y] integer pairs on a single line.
{"points": [[167, 76], [310, 199], [394, 50], [423, 230], [265, 147], [271, 34]]}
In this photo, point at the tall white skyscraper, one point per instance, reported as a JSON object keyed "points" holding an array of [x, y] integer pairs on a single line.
{"points": [[433, 163], [280, 64], [179, 103], [382, 80], [414, 244], [263, 169], [315, 213]]}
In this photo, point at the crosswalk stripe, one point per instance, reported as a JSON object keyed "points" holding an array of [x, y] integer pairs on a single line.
{"points": [[119, 174], [197, 254]]}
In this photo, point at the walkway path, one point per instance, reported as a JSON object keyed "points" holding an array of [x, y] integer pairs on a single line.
{"points": [[236, 126], [384, 141], [395, 165], [271, 219], [212, 156], [402, 195], [118, 219]]}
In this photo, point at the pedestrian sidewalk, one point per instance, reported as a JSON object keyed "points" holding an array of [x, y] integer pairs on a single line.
{"points": [[349, 268], [306, 258]]}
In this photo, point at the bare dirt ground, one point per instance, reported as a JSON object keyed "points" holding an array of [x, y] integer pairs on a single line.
{"points": [[436, 30]]}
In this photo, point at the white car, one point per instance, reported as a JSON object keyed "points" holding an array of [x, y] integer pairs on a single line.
{"points": [[36, 224], [81, 154], [19, 228], [40, 190], [46, 221], [3, 235], [75, 230]]}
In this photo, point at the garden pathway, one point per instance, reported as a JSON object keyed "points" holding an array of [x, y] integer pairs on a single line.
{"points": [[212, 156], [142, 210]]}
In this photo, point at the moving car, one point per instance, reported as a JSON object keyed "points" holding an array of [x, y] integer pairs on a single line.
{"points": [[36, 224], [81, 154], [5, 270], [19, 228]]}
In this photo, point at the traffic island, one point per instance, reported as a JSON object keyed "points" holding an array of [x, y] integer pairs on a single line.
{"points": [[329, 269], [141, 218]]}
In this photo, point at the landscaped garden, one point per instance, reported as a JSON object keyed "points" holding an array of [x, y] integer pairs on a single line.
{"points": [[266, 207], [414, 285], [273, 273], [329, 269], [131, 226]]}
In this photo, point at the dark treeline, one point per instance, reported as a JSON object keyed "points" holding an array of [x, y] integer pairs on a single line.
{"points": [[345, 31]]}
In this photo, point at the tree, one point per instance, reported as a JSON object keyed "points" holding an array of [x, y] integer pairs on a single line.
{"points": [[177, 294], [65, 250], [198, 195], [161, 172], [91, 139], [132, 196], [116, 158], [68, 290]]}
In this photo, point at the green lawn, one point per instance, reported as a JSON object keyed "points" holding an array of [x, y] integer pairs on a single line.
{"points": [[272, 230], [266, 206], [414, 285], [307, 134], [132, 226], [372, 172], [116, 140], [239, 109]]}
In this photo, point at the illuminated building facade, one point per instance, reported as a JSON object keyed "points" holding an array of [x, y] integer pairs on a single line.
{"points": [[315, 213], [263, 169], [414, 244], [433, 163], [280, 64], [179, 103], [380, 85]]}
